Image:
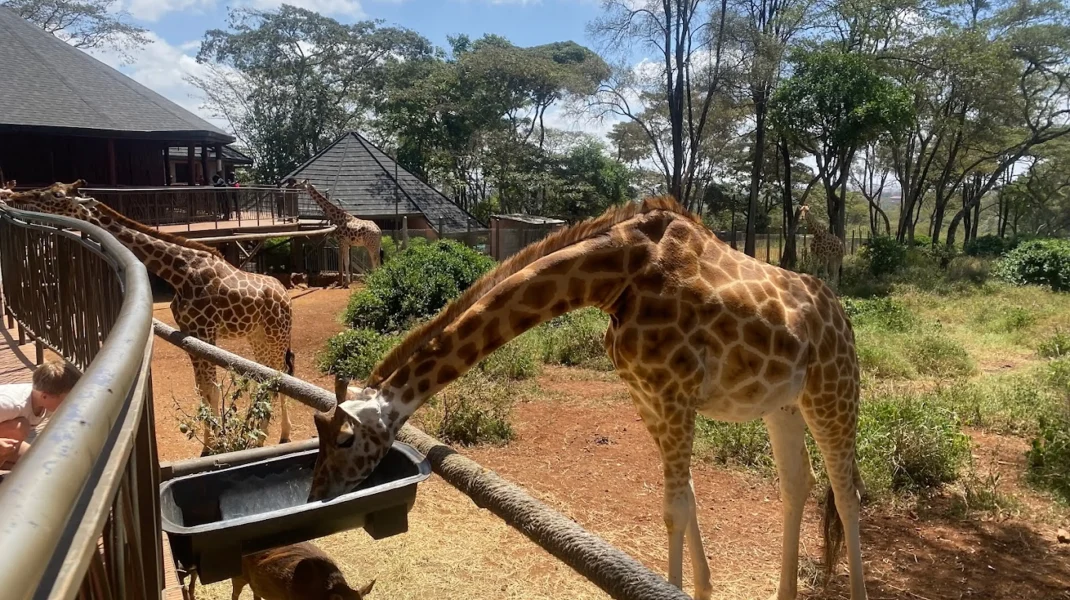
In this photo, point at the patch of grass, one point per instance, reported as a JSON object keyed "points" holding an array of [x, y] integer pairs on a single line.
{"points": [[880, 314], [474, 410], [1056, 345], [978, 493], [909, 444], [518, 360], [739, 444], [576, 339], [1049, 454], [939, 356], [881, 357]]}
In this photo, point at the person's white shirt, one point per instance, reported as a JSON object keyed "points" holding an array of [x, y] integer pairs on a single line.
{"points": [[15, 402]]}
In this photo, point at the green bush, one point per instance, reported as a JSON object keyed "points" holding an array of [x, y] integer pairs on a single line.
{"points": [[1056, 345], [1049, 454], [517, 360], [969, 269], [883, 314], [909, 444], [990, 246], [353, 353], [1038, 262], [234, 427], [476, 409], [884, 255], [576, 339], [922, 241], [415, 285], [939, 356]]}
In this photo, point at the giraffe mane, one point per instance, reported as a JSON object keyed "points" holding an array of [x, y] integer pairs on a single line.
{"points": [[171, 238], [552, 243]]}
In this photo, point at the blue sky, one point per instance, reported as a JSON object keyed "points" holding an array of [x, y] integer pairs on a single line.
{"points": [[177, 27]]}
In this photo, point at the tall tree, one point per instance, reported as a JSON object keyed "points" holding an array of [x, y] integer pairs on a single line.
{"points": [[833, 104], [688, 37], [289, 81], [85, 24]]}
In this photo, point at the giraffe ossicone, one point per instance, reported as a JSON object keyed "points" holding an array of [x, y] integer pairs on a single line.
{"points": [[695, 328], [213, 299]]}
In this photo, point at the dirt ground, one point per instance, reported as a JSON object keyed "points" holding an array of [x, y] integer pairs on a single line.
{"points": [[582, 450]]}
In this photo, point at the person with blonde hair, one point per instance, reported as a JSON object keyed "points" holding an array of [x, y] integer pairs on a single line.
{"points": [[26, 407]]}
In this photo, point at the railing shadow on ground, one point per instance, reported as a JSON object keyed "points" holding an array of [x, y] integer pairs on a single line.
{"points": [[80, 511]]}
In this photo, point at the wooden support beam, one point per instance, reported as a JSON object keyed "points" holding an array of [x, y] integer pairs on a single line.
{"points": [[204, 164], [191, 179], [113, 168]]}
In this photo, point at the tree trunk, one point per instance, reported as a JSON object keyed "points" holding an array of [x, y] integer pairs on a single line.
{"points": [[755, 176], [788, 256]]}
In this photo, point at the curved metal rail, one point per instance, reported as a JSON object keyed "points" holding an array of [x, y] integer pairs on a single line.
{"points": [[79, 514]]}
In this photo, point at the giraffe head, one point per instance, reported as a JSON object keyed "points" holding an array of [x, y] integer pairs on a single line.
{"points": [[353, 437], [57, 199], [804, 211]]}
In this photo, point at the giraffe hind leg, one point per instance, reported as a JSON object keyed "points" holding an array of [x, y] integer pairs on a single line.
{"points": [[787, 432], [277, 355], [204, 373]]}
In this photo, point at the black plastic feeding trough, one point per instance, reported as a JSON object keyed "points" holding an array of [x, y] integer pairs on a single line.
{"points": [[213, 518]]}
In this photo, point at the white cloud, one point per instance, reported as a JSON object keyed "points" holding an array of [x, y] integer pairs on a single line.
{"points": [[152, 10], [334, 8], [162, 68]]}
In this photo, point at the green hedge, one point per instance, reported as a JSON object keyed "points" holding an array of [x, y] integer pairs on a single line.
{"points": [[1038, 262]]}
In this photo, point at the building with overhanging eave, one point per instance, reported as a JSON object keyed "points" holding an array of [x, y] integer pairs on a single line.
{"points": [[65, 115], [368, 184]]}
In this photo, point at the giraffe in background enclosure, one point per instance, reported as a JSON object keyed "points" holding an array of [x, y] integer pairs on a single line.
{"points": [[213, 299], [827, 248], [695, 328], [350, 232]]}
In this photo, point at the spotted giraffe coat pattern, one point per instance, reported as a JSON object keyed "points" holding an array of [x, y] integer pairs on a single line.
{"points": [[827, 248], [350, 232], [696, 328]]}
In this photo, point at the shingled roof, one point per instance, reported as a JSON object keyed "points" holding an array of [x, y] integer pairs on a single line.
{"points": [[360, 177], [51, 87]]}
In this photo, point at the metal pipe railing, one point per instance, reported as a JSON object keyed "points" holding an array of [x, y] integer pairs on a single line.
{"points": [[90, 479]]}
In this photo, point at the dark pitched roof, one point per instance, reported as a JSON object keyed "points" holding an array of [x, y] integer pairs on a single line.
{"points": [[360, 177], [230, 154], [51, 87]]}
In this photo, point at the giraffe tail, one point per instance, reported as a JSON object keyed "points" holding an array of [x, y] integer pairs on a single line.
{"points": [[832, 525], [289, 361]]}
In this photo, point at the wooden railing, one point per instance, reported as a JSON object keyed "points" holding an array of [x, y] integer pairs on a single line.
{"points": [[185, 205], [79, 513]]}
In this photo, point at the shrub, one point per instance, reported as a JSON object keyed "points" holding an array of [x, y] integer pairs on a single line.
{"points": [[1038, 262], [517, 360], [1055, 345], [353, 353], [909, 444], [474, 410], [576, 339], [989, 246], [968, 268], [884, 255], [884, 314], [939, 356], [415, 285], [234, 428], [922, 241], [1049, 454]]}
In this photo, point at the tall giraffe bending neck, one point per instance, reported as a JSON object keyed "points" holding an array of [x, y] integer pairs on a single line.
{"points": [[695, 328]]}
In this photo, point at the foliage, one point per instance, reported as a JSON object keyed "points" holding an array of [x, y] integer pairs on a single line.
{"points": [[909, 444], [86, 24], [1049, 454], [235, 428], [353, 353], [883, 314], [1038, 262], [1056, 345], [415, 285], [741, 444], [575, 339], [939, 356], [289, 81], [474, 410], [989, 246], [884, 255]]}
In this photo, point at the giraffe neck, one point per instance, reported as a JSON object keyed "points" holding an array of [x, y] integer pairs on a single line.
{"points": [[591, 273], [333, 212], [167, 261], [815, 226]]}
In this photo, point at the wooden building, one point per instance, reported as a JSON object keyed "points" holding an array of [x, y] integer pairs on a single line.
{"points": [[64, 115]]}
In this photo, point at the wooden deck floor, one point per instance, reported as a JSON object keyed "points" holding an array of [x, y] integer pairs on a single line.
{"points": [[16, 362], [211, 228]]}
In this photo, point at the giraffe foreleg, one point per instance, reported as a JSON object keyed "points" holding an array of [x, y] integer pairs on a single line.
{"points": [[343, 260], [787, 432], [204, 375], [679, 509], [277, 355]]}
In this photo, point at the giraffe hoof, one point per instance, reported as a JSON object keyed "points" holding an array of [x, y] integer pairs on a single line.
{"points": [[284, 440], [205, 452]]}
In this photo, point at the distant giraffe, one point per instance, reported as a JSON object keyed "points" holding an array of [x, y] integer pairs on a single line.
{"points": [[694, 328], [350, 232], [827, 248], [213, 299]]}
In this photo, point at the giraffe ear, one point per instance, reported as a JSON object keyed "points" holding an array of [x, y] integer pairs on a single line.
{"points": [[366, 412]]}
